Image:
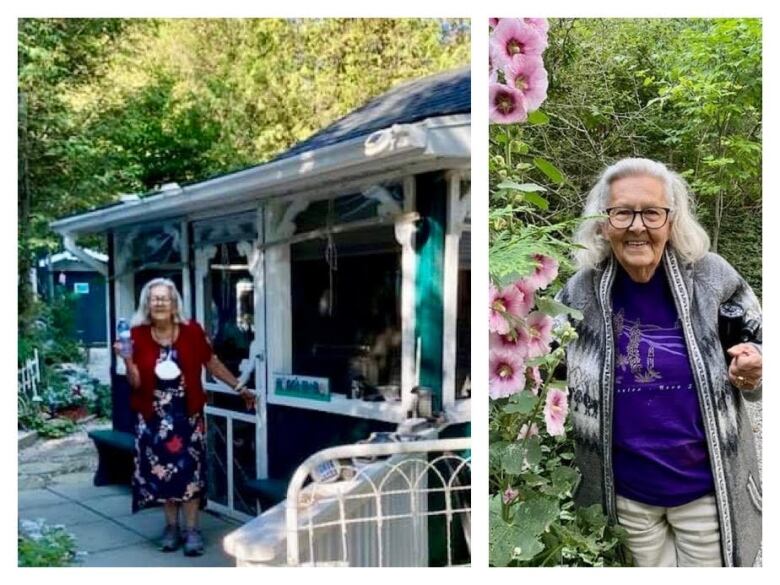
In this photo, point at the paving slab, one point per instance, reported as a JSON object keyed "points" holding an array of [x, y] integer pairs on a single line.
{"points": [[39, 498], [103, 535], [79, 478], [79, 492], [147, 555], [67, 514], [114, 506], [149, 523]]}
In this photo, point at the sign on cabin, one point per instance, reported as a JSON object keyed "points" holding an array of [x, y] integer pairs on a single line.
{"points": [[302, 387]]}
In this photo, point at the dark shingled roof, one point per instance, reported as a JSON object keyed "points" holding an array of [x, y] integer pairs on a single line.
{"points": [[436, 95]]}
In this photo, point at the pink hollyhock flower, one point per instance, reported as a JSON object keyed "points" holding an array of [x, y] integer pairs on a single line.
{"points": [[525, 431], [506, 374], [507, 300], [509, 495], [509, 342], [513, 39], [529, 77], [535, 377], [545, 272], [492, 68], [540, 24], [537, 334], [507, 104], [526, 286], [556, 409]]}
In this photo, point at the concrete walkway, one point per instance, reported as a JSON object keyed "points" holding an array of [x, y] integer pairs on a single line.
{"points": [[55, 484]]}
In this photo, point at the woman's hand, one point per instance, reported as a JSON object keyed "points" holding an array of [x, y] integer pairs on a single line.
{"points": [[746, 367], [248, 396], [118, 351]]}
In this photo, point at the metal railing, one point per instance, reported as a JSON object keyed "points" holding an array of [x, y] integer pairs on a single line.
{"points": [[393, 504], [29, 376]]}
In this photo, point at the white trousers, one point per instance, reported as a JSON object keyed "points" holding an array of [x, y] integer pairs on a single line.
{"points": [[682, 536]]}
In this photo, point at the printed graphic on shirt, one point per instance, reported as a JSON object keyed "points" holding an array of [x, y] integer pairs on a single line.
{"points": [[640, 346]]}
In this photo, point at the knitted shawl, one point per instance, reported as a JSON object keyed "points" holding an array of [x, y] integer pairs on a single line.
{"points": [[698, 289]]}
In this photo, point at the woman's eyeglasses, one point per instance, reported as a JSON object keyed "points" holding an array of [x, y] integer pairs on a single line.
{"points": [[160, 301], [652, 217]]}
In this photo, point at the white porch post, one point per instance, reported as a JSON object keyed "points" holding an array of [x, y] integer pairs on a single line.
{"points": [[457, 209], [257, 268], [186, 288], [279, 224], [123, 284], [404, 233]]}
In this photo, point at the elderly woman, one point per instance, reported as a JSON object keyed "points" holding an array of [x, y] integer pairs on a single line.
{"points": [[662, 436], [164, 370]]}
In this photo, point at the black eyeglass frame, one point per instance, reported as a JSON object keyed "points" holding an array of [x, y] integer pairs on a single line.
{"points": [[668, 210]]}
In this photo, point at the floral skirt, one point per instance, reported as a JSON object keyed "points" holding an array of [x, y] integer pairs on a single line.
{"points": [[170, 453]]}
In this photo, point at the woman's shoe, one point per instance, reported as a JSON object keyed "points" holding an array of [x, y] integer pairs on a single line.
{"points": [[171, 539], [193, 543]]}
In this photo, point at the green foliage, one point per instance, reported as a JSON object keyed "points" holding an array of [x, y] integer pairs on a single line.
{"points": [[101, 405], [533, 518], [51, 330], [111, 106], [686, 92], [54, 428], [42, 545]]}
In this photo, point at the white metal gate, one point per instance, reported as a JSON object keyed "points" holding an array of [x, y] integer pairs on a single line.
{"points": [[410, 507]]}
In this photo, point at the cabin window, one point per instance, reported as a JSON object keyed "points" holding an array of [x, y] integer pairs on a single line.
{"points": [[229, 305], [346, 323]]}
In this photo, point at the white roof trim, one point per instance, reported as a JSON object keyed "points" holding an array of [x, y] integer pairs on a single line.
{"points": [[60, 256], [444, 137]]}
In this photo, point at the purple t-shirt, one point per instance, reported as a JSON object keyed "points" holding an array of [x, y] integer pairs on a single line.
{"points": [[659, 446]]}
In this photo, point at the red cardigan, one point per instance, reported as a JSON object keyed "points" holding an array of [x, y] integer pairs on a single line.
{"points": [[194, 351]]}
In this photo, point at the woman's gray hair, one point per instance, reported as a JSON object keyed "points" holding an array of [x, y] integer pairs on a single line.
{"points": [[687, 236], [142, 315]]}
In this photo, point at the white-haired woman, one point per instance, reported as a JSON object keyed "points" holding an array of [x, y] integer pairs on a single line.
{"points": [[662, 436], [164, 370]]}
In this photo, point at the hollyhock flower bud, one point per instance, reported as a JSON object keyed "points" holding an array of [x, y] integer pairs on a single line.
{"points": [[509, 495]]}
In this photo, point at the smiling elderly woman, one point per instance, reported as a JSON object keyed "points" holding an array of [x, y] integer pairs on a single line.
{"points": [[663, 439], [164, 367]]}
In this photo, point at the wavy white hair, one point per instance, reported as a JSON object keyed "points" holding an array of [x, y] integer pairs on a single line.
{"points": [[687, 236], [142, 315]]}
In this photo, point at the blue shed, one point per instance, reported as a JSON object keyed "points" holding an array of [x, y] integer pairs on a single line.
{"points": [[65, 272]]}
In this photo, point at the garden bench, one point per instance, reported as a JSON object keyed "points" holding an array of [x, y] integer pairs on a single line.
{"points": [[115, 456], [116, 446]]}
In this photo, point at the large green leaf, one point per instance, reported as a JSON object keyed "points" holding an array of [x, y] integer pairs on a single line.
{"points": [[524, 187], [522, 402], [513, 540], [537, 118], [549, 169], [553, 308]]}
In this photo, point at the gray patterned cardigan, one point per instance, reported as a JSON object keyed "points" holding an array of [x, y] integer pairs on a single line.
{"points": [[698, 290]]}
